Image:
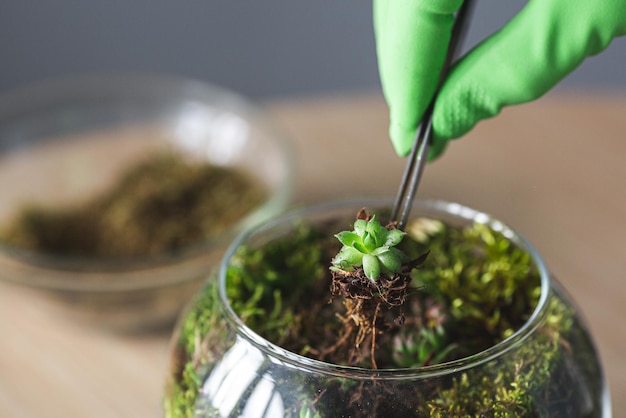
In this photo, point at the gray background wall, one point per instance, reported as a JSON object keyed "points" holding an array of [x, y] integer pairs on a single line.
{"points": [[262, 48]]}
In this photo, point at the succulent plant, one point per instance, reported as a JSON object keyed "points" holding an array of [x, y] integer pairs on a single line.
{"points": [[371, 246]]}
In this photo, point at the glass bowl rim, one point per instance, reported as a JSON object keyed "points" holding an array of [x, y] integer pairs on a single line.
{"points": [[444, 207]]}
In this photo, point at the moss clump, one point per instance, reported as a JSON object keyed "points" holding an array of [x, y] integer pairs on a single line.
{"points": [[159, 205], [201, 334], [510, 389], [261, 283], [478, 280]]}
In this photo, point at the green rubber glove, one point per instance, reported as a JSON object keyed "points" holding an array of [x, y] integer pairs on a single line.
{"points": [[542, 44]]}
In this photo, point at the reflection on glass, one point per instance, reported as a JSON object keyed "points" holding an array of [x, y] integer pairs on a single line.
{"points": [[218, 135], [243, 373]]}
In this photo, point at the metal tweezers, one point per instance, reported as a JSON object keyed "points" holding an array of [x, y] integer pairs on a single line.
{"points": [[419, 151]]}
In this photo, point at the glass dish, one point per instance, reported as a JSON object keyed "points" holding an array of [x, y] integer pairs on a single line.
{"points": [[67, 141]]}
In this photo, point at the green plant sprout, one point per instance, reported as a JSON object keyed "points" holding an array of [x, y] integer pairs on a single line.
{"points": [[429, 347], [371, 246]]}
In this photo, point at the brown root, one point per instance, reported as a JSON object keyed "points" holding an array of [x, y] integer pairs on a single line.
{"points": [[370, 307]]}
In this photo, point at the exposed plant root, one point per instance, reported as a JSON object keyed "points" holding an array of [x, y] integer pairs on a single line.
{"points": [[372, 306], [368, 306]]}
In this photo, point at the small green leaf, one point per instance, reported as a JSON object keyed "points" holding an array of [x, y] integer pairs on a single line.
{"points": [[359, 246], [399, 254], [390, 261], [348, 238], [360, 226], [371, 267], [347, 257], [370, 242], [378, 251], [394, 237], [376, 230]]}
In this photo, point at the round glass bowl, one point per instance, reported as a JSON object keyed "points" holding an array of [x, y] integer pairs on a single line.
{"points": [[220, 367], [66, 142]]}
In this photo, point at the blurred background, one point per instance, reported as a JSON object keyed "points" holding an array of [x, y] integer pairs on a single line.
{"points": [[263, 49]]}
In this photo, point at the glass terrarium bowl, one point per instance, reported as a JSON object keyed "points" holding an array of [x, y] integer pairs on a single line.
{"points": [[220, 367], [63, 143]]}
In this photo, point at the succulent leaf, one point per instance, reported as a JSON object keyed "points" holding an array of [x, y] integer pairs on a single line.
{"points": [[359, 246], [360, 225], [370, 245], [378, 251], [390, 261], [376, 230], [348, 256], [394, 237], [369, 240], [348, 238], [371, 266], [401, 256]]}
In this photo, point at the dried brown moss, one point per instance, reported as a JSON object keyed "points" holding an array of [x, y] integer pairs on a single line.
{"points": [[161, 204]]}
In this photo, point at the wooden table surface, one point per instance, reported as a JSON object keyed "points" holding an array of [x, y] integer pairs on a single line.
{"points": [[554, 169]]}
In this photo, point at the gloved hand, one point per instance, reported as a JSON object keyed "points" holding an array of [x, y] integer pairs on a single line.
{"points": [[522, 61]]}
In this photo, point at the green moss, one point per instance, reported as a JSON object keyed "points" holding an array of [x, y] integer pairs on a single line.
{"points": [[487, 286], [202, 333], [181, 400], [475, 289], [261, 281], [509, 389]]}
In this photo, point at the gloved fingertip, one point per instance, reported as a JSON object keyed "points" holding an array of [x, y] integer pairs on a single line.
{"points": [[402, 139], [459, 109], [436, 149]]}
